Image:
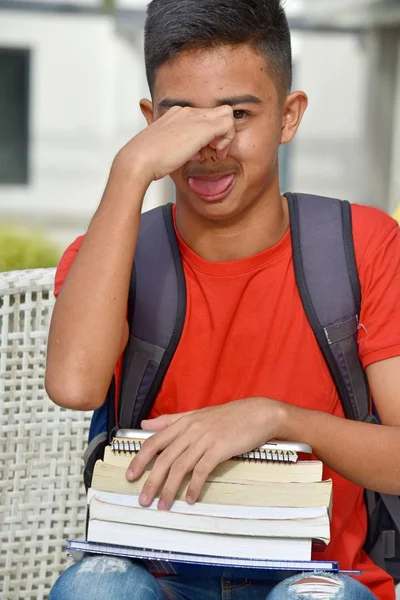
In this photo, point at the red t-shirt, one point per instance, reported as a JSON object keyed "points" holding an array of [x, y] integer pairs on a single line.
{"points": [[246, 334]]}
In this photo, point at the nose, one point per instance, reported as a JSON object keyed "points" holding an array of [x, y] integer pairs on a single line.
{"points": [[208, 154]]}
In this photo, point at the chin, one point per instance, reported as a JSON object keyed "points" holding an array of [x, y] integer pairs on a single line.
{"points": [[226, 209], [222, 210]]}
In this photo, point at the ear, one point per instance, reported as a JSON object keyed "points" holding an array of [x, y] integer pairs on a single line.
{"points": [[147, 110], [293, 111]]}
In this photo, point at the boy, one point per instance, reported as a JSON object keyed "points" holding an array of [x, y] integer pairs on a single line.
{"points": [[248, 367]]}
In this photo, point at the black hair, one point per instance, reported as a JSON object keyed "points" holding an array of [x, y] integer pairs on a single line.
{"points": [[173, 26]]}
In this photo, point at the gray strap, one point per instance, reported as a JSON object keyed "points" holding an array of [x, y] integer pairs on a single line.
{"points": [[370, 500], [97, 441], [156, 315], [327, 280], [341, 331], [140, 355], [392, 504], [147, 351], [346, 355], [377, 554]]}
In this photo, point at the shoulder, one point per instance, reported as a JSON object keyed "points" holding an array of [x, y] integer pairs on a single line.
{"points": [[66, 262], [372, 228]]}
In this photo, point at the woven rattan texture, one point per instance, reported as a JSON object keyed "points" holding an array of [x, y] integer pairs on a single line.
{"points": [[41, 446]]}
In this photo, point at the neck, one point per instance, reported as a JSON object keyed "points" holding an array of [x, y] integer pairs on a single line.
{"points": [[258, 228]]}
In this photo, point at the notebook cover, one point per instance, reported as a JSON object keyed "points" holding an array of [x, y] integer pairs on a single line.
{"points": [[167, 563]]}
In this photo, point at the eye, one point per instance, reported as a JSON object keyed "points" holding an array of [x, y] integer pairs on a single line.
{"points": [[240, 115]]}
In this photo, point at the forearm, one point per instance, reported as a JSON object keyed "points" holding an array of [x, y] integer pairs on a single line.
{"points": [[88, 329], [363, 453]]}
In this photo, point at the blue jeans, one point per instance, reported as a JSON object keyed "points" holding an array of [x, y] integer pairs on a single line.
{"points": [[107, 578]]}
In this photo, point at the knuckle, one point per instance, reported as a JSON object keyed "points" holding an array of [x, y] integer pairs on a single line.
{"points": [[148, 446], [201, 471], [185, 110], [168, 492], [150, 486], [209, 439], [195, 430], [179, 468], [227, 110], [161, 463], [193, 491]]}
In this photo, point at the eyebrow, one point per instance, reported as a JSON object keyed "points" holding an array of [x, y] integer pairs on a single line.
{"points": [[231, 101]]}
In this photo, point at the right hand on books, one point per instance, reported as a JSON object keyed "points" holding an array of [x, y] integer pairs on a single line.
{"points": [[198, 442], [175, 139]]}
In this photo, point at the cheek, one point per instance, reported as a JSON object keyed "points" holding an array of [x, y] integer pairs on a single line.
{"points": [[256, 147]]}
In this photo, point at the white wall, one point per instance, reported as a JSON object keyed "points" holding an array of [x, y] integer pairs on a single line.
{"points": [[395, 187], [86, 82], [85, 86], [327, 153]]}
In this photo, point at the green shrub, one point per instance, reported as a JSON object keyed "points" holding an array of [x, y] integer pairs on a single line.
{"points": [[21, 249]]}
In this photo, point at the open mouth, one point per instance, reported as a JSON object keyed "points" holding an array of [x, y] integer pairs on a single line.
{"points": [[212, 188]]}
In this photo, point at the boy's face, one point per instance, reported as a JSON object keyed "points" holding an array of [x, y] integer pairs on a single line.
{"points": [[264, 120]]}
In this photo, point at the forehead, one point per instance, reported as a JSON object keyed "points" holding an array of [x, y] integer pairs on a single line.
{"points": [[203, 76]]}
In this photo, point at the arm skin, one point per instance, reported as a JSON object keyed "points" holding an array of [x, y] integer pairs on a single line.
{"points": [[197, 442], [89, 330], [366, 454]]}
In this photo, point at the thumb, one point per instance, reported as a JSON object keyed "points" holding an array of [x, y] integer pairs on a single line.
{"points": [[163, 422], [160, 422]]}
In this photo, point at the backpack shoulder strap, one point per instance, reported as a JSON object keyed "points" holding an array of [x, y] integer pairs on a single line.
{"points": [[156, 315], [327, 279]]}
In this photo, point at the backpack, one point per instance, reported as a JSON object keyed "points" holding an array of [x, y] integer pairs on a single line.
{"points": [[328, 283]]}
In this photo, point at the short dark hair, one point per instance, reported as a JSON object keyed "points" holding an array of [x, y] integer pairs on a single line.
{"points": [[173, 26]]}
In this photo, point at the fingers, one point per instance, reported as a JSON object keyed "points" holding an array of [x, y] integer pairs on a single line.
{"points": [[181, 467], [161, 471], [219, 129], [150, 448], [160, 422], [201, 471], [163, 421], [226, 126], [170, 470]]}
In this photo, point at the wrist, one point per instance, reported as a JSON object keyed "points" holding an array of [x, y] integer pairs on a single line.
{"points": [[133, 171], [291, 422]]}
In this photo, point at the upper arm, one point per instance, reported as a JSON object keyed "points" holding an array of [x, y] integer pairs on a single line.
{"points": [[384, 381], [379, 334], [64, 267]]}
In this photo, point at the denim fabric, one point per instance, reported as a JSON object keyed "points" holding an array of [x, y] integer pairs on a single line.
{"points": [[107, 578]]}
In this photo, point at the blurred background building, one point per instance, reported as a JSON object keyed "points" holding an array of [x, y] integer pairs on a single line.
{"points": [[71, 76]]}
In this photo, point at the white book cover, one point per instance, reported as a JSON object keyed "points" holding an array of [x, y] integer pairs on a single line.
{"points": [[206, 544], [314, 528], [215, 510]]}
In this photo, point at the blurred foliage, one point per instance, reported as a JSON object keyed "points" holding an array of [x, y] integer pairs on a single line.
{"points": [[21, 249], [109, 6]]}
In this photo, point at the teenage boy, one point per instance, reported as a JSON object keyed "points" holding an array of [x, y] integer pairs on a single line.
{"points": [[248, 367]]}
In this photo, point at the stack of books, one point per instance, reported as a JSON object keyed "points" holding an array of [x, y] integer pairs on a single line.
{"points": [[262, 509]]}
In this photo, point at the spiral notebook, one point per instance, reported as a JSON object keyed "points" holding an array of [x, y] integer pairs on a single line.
{"points": [[173, 563], [272, 472], [131, 440], [268, 504]]}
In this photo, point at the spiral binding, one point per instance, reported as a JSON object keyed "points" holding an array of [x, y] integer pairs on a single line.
{"points": [[126, 446], [123, 446]]}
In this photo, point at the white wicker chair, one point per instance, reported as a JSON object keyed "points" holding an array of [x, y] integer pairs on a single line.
{"points": [[41, 492]]}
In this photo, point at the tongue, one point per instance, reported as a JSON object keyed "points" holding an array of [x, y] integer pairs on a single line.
{"points": [[205, 187]]}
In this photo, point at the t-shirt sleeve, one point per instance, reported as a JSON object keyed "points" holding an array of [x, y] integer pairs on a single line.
{"points": [[65, 264], [379, 333]]}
